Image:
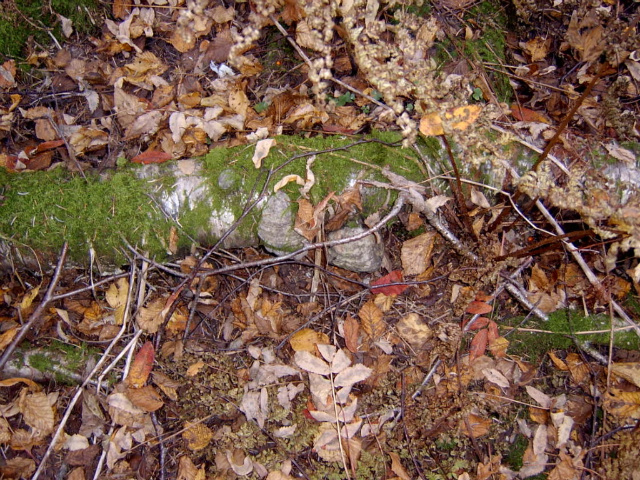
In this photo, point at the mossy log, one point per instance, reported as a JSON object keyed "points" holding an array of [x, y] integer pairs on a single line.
{"points": [[167, 209]]}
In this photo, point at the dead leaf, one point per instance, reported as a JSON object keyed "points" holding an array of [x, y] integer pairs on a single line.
{"points": [[187, 469], [629, 371], [475, 426], [498, 347], [623, 405], [460, 118], [197, 436], [150, 318], [37, 412], [397, 468], [537, 48], [18, 467], [372, 322], [262, 150], [416, 253], [585, 35], [524, 114], [307, 339], [286, 180], [478, 344], [478, 308], [146, 398], [414, 331], [390, 278], [351, 333], [141, 366]]}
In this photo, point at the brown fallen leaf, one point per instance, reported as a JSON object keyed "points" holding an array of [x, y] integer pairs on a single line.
{"points": [[146, 398], [371, 318], [141, 366]]}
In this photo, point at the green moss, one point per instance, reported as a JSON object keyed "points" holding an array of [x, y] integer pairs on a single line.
{"points": [[44, 209], [21, 20], [516, 452], [60, 360], [564, 324]]}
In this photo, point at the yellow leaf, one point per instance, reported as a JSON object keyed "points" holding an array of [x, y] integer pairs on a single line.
{"points": [[464, 116], [307, 339], [431, 125], [197, 436], [460, 118], [28, 299]]}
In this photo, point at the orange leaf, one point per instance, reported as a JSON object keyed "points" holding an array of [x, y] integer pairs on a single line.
{"points": [[480, 322], [141, 366], [526, 115], [431, 125], [493, 331], [478, 308], [46, 146], [151, 156], [351, 332], [478, 344], [395, 276]]}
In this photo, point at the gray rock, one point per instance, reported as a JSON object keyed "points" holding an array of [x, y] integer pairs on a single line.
{"points": [[276, 226], [227, 179], [364, 255]]}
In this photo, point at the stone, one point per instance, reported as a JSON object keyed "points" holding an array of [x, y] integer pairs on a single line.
{"points": [[364, 255], [276, 226]]}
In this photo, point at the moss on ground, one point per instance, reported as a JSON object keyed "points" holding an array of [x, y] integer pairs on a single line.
{"points": [[562, 327], [25, 20]]}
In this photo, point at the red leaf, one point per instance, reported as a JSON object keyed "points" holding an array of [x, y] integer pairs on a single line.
{"points": [[478, 308], [395, 276], [141, 366], [151, 156], [493, 332], [478, 344], [480, 322]]}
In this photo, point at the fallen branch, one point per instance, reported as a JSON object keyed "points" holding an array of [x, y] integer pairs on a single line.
{"points": [[48, 297]]}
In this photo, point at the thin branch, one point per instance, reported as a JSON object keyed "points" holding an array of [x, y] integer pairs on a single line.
{"points": [[39, 310], [80, 389]]}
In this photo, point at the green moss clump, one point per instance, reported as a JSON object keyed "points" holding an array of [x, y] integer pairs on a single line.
{"points": [[45, 209], [564, 324], [516, 452], [60, 360], [21, 20]]}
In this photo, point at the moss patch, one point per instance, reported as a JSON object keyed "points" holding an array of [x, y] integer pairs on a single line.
{"points": [[21, 20], [563, 326]]}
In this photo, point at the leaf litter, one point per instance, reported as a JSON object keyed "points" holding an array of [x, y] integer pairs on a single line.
{"points": [[413, 374]]}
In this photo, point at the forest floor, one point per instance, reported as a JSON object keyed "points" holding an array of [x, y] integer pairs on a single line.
{"points": [[499, 339]]}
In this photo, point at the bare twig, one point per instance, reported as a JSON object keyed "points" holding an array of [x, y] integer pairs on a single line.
{"points": [[80, 389], [48, 297]]}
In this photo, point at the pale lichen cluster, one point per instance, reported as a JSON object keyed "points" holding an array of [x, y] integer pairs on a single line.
{"points": [[391, 47]]}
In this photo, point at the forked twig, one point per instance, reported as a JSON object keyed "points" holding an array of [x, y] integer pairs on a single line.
{"points": [[80, 389], [48, 297]]}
